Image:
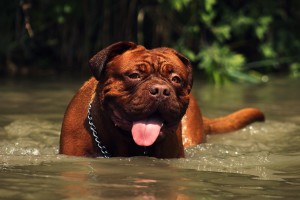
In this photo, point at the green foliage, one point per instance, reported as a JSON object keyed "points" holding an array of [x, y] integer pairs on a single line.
{"points": [[228, 40], [176, 5], [295, 70], [220, 63], [240, 40]]}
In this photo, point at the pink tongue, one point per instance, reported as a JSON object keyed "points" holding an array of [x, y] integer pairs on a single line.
{"points": [[145, 132]]}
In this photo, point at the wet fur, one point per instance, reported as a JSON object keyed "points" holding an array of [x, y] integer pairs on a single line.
{"points": [[111, 95]]}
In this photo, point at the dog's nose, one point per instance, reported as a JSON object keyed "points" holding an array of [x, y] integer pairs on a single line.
{"points": [[158, 90]]}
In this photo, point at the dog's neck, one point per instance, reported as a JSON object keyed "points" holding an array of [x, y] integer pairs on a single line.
{"points": [[104, 151]]}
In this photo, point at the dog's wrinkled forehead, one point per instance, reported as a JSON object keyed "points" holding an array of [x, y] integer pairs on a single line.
{"points": [[121, 57], [152, 60]]}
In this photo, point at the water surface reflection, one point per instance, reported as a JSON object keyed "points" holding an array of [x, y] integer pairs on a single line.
{"points": [[260, 161]]}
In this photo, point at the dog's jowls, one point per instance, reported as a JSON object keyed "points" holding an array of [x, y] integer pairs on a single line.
{"points": [[141, 102]]}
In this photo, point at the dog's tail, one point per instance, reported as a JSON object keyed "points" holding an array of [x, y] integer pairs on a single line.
{"points": [[232, 122]]}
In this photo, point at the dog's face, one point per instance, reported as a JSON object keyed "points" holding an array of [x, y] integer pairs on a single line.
{"points": [[145, 91]]}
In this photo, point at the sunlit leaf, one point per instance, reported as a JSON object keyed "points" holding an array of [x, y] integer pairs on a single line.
{"points": [[209, 4], [267, 50], [222, 32], [295, 70]]}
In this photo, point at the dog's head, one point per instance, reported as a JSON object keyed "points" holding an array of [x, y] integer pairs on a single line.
{"points": [[145, 91]]}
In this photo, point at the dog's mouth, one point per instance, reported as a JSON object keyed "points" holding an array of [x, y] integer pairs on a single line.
{"points": [[144, 131]]}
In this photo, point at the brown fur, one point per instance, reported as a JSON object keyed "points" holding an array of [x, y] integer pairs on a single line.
{"points": [[112, 91]]}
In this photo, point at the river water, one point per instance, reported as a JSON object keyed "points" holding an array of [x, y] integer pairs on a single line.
{"points": [[261, 161]]}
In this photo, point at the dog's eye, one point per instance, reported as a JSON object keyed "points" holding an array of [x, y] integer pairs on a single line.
{"points": [[134, 75], [176, 79]]}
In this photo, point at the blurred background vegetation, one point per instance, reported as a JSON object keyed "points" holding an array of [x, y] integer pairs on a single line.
{"points": [[227, 40]]}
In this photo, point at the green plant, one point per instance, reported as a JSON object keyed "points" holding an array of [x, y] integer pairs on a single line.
{"points": [[239, 40]]}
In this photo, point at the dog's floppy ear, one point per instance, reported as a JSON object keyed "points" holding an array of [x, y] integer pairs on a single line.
{"points": [[188, 64], [98, 61]]}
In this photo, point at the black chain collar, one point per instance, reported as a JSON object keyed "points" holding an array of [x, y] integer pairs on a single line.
{"points": [[101, 146]]}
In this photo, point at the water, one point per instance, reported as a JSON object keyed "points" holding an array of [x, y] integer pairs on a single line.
{"points": [[261, 161]]}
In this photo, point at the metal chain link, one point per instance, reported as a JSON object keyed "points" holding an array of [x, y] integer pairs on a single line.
{"points": [[101, 146]]}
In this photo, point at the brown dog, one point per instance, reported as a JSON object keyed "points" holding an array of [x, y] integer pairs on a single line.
{"points": [[139, 103]]}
